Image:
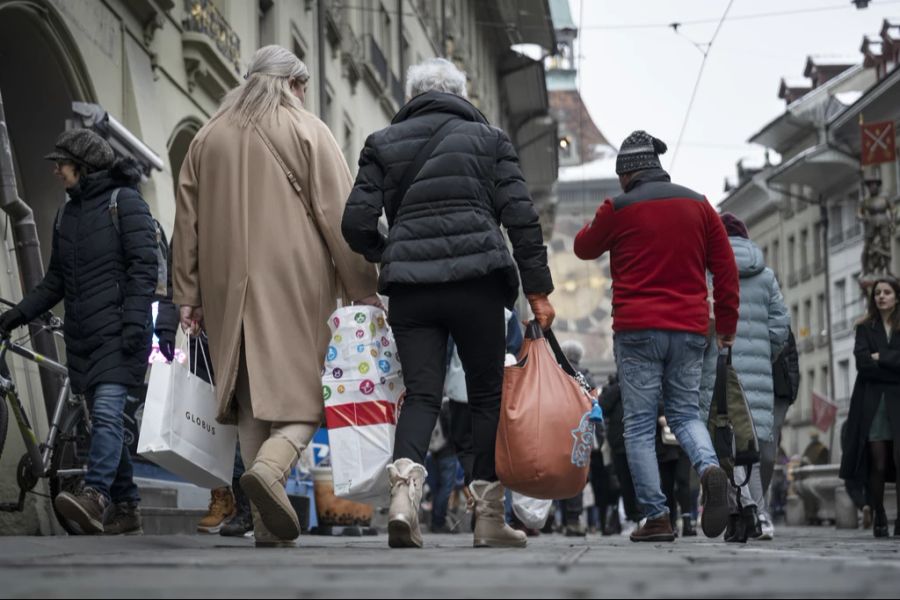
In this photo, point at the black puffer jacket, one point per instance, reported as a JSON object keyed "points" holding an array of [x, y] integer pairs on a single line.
{"points": [[107, 278], [448, 227]]}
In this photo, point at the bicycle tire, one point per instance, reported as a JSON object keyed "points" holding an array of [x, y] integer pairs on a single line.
{"points": [[4, 423], [70, 452]]}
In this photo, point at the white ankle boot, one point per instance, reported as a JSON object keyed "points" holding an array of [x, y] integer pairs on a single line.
{"points": [[491, 529], [407, 479]]}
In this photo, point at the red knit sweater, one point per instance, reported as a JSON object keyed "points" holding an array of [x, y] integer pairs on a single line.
{"points": [[662, 239]]}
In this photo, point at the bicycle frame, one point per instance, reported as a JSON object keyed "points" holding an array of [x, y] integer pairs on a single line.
{"points": [[40, 461]]}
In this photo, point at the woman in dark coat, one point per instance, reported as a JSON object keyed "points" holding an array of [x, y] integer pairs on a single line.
{"points": [[104, 265], [873, 425]]}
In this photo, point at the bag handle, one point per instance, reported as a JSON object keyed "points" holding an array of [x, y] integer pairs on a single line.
{"points": [[194, 364], [533, 331], [719, 396], [557, 351], [596, 412]]}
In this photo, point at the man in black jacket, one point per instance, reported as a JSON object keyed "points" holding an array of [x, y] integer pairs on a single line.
{"points": [[447, 180]]}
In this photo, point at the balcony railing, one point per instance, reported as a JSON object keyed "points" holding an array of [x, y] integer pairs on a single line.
{"points": [[836, 238], [203, 17], [822, 340], [853, 232], [805, 273], [793, 279]]}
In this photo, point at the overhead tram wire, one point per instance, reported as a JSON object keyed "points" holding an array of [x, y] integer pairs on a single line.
{"points": [[690, 107]]}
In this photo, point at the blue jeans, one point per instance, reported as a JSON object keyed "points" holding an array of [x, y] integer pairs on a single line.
{"points": [[109, 462], [661, 367], [442, 479]]}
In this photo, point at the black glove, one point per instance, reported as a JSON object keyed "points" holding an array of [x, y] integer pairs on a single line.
{"points": [[134, 339], [166, 343], [10, 320]]}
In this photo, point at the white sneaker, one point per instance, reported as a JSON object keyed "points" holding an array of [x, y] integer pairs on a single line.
{"points": [[768, 529]]}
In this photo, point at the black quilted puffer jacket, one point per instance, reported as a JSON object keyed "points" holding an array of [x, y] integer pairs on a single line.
{"points": [[106, 277], [447, 228]]}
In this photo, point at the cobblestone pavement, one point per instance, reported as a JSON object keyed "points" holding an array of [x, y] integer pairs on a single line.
{"points": [[819, 562]]}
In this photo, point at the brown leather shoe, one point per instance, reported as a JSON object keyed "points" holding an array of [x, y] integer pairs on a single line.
{"points": [[654, 530]]}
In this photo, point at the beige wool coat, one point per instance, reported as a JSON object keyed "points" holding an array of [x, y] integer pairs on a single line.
{"points": [[263, 268]]}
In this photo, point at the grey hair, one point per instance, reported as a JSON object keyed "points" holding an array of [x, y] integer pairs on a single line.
{"points": [[435, 75], [266, 86], [573, 350]]}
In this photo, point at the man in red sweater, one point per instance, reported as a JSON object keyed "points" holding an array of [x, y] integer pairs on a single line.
{"points": [[662, 239]]}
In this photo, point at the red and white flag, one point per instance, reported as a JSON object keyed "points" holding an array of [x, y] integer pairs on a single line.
{"points": [[824, 412], [879, 143]]}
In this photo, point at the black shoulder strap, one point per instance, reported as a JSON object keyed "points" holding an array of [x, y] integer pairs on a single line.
{"points": [[535, 332], [424, 153]]}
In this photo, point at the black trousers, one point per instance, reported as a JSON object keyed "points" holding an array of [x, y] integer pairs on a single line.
{"points": [[422, 318], [675, 479], [626, 487], [461, 436]]}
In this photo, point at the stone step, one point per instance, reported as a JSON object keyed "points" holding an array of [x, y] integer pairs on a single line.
{"points": [[159, 497], [169, 521]]}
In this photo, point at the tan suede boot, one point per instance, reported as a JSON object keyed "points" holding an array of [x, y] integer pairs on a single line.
{"points": [[263, 483], [407, 479], [263, 538], [491, 529], [221, 510]]}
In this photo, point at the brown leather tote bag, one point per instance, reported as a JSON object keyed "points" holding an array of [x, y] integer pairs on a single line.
{"points": [[545, 436]]}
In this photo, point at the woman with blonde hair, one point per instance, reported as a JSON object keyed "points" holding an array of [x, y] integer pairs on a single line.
{"points": [[258, 252]]}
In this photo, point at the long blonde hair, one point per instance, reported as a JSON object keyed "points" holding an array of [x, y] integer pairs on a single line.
{"points": [[266, 87]]}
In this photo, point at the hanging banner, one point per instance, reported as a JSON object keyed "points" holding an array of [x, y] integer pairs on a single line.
{"points": [[879, 143], [824, 412]]}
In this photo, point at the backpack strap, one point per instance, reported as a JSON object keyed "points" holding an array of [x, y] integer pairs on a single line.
{"points": [[114, 209]]}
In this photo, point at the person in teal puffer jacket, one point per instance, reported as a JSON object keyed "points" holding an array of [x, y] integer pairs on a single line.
{"points": [[763, 327]]}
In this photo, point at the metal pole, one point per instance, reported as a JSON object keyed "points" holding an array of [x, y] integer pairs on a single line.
{"points": [[443, 29], [320, 43], [28, 255], [401, 71], [823, 212]]}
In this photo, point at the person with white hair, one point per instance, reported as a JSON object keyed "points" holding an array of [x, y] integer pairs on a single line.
{"points": [[257, 250], [447, 181]]}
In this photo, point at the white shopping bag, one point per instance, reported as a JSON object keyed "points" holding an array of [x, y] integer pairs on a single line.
{"points": [[362, 386], [531, 511], [179, 431]]}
